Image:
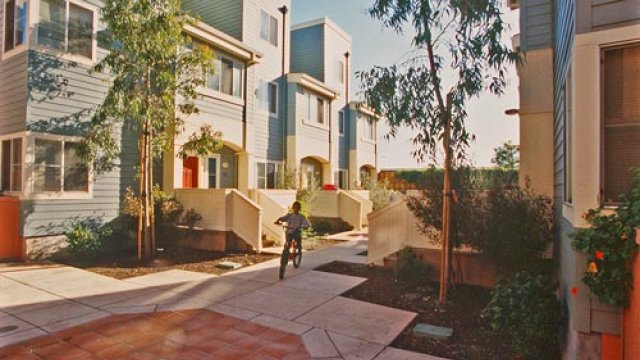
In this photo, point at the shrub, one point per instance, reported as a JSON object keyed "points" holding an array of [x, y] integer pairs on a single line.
{"points": [[410, 267], [526, 309], [166, 208], [379, 192], [86, 240], [609, 244], [517, 228], [191, 218]]}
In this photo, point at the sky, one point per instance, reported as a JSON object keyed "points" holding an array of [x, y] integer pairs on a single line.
{"points": [[375, 45]]}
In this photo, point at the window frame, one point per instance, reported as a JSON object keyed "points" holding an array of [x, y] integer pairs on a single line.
{"points": [[266, 31], [369, 130], [66, 54], [278, 173], [11, 139], [342, 175], [62, 140], [568, 140], [602, 166], [264, 96], [206, 171], [22, 47], [342, 123]]}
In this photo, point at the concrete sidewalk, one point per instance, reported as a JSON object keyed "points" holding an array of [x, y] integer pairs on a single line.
{"points": [[47, 301]]}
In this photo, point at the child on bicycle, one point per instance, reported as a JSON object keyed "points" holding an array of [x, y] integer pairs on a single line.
{"points": [[295, 223]]}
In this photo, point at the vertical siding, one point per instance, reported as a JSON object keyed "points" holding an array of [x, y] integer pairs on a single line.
{"points": [[307, 51], [535, 24], [224, 15], [343, 141]]}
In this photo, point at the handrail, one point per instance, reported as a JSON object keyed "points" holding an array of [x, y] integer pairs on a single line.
{"points": [[272, 210], [249, 228], [350, 209]]}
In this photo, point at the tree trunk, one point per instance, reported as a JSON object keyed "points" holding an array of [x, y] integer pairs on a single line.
{"points": [[445, 264], [142, 147]]}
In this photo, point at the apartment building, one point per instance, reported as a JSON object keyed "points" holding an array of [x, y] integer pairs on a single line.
{"points": [[580, 118], [275, 108]]}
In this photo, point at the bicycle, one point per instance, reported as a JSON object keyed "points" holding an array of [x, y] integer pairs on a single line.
{"points": [[288, 254]]}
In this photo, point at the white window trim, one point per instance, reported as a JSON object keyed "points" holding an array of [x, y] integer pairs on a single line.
{"points": [[65, 55], [203, 182], [365, 137], [279, 171], [28, 182], [22, 47], [277, 93], [217, 94], [268, 40], [20, 135], [306, 113]]}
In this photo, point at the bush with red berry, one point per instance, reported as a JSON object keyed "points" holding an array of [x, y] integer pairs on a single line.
{"points": [[610, 247]]}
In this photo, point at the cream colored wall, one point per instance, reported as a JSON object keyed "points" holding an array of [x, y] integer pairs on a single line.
{"points": [[536, 120], [586, 100]]}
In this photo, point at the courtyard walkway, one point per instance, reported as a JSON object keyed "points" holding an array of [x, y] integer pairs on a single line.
{"points": [[60, 312]]}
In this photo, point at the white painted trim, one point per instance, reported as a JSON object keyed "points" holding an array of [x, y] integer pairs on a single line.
{"points": [[65, 55], [20, 48], [204, 171], [314, 85], [223, 41]]}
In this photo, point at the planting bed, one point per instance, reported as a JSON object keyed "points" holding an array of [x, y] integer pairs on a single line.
{"points": [[472, 338], [125, 266]]}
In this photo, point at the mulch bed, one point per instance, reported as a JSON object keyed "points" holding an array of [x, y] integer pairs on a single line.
{"points": [[472, 338], [122, 267]]}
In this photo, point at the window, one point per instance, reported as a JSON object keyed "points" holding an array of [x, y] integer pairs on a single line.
{"points": [[342, 179], [341, 123], [313, 108], [268, 93], [269, 28], [568, 142], [58, 168], [369, 129], [269, 175], [213, 169], [320, 111], [66, 27], [11, 165], [621, 120], [15, 24], [340, 71], [226, 77]]}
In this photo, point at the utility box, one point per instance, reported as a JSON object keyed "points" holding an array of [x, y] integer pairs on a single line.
{"points": [[10, 243]]}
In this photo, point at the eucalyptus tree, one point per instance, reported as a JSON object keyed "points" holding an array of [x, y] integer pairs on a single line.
{"points": [[153, 81], [457, 55]]}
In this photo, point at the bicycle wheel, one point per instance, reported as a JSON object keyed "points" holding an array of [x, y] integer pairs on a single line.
{"points": [[297, 255], [284, 260]]}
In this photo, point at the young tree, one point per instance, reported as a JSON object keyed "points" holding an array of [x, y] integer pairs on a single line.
{"points": [[458, 55], [507, 156], [153, 81]]}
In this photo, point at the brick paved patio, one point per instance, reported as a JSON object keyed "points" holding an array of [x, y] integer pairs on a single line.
{"points": [[190, 334]]}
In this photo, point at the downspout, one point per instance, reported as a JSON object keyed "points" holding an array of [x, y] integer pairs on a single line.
{"points": [[346, 116], [284, 89], [346, 77]]}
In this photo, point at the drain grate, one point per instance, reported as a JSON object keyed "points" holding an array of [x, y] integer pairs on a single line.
{"points": [[5, 329]]}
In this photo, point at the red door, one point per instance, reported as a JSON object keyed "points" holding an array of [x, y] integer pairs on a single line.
{"points": [[190, 173], [10, 244]]}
